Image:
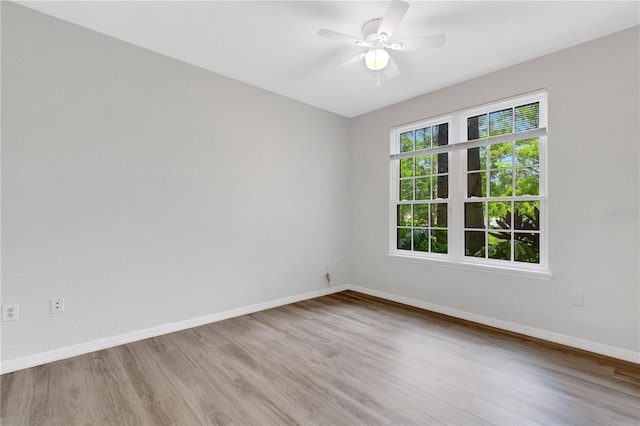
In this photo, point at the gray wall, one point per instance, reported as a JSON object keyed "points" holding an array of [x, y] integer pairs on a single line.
{"points": [[593, 166], [147, 191]]}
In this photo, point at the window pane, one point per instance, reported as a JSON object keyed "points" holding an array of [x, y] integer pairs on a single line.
{"points": [[406, 167], [527, 117], [439, 215], [423, 138], [477, 127], [527, 215], [423, 165], [477, 184], [404, 239], [477, 158], [439, 241], [474, 244], [500, 215], [421, 215], [501, 183], [501, 122], [441, 134], [440, 163], [501, 155], [475, 215], [421, 239], [526, 247], [404, 215], [500, 245], [423, 188], [440, 187], [527, 181], [406, 142], [406, 189], [527, 152]]}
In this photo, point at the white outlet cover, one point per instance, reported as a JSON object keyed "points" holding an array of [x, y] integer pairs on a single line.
{"points": [[57, 305], [10, 312]]}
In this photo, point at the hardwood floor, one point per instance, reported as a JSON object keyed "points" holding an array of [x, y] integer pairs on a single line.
{"points": [[340, 359]]}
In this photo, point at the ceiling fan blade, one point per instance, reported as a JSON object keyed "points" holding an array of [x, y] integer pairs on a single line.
{"points": [[341, 37], [350, 62], [391, 70], [415, 43], [396, 11]]}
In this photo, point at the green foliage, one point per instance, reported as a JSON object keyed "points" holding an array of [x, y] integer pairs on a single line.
{"points": [[421, 215], [499, 210], [526, 245], [501, 183], [406, 142], [414, 221], [528, 181], [439, 241], [423, 165], [501, 155], [406, 189], [406, 167], [421, 239], [404, 239], [527, 152], [404, 215], [423, 138]]}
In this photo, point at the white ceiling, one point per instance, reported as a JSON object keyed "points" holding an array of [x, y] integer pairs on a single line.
{"points": [[273, 45]]}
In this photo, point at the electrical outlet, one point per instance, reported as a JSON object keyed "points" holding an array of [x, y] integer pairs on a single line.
{"points": [[57, 305], [10, 312]]}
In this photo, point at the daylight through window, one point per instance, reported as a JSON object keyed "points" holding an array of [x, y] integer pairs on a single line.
{"points": [[469, 187]]}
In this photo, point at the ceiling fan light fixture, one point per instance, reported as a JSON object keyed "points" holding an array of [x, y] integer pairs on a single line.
{"points": [[376, 59]]}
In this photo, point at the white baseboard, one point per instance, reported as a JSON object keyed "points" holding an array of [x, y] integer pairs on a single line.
{"points": [[563, 339], [109, 342]]}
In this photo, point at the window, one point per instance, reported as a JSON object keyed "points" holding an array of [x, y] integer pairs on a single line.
{"points": [[468, 189], [423, 190]]}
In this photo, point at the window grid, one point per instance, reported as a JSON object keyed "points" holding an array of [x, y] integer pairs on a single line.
{"points": [[498, 239], [512, 175], [422, 190]]}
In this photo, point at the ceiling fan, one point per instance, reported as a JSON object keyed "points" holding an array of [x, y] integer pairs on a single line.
{"points": [[376, 37]]}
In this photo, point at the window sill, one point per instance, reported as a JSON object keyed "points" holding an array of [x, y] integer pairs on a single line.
{"points": [[544, 275]]}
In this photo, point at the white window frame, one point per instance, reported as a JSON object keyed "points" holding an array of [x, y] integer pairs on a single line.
{"points": [[457, 148]]}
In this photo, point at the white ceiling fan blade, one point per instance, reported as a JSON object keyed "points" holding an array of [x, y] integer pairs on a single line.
{"points": [[395, 13], [350, 62], [391, 70], [333, 35], [423, 42]]}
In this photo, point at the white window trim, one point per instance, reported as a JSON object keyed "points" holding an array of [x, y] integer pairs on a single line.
{"points": [[458, 144]]}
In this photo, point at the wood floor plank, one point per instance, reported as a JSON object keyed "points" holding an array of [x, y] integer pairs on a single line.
{"points": [[497, 415], [342, 359]]}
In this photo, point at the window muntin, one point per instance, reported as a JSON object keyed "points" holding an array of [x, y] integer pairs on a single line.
{"points": [[492, 211], [422, 188], [507, 226]]}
